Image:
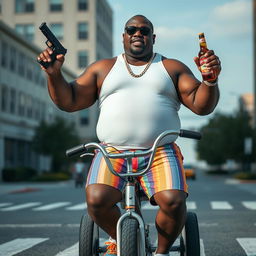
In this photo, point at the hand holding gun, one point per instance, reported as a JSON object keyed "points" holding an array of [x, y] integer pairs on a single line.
{"points": [[53, 43]]}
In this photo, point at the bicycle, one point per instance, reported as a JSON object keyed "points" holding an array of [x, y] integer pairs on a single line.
{"points": [[133, 238]]}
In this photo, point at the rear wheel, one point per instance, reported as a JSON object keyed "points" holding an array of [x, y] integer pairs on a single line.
{"points": [[129, 237], [190, 236], [88, 237]]}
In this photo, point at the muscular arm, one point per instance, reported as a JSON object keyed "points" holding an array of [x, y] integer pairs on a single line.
{"points": [[79, 94], [194, 94]]}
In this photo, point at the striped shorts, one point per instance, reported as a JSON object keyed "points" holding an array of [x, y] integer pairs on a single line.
{"points": [[166, 172]]}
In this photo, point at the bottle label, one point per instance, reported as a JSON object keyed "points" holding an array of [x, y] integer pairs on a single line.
{"points": [[207, 74]]}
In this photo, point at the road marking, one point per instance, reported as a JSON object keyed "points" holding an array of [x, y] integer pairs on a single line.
{"points": [[249, 205], [202, 251], [18, 245], [71, 251], [221, 205], [20, 206], [51, 206], [50, 225], [5, 204], [81, 206], [249, 245], [206, 225], [191, 205]]}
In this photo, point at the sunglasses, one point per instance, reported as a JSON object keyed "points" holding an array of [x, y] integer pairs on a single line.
{"points": [[131, 30]]}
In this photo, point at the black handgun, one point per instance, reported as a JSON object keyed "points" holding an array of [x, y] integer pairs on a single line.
{"points": [[53, 43]]}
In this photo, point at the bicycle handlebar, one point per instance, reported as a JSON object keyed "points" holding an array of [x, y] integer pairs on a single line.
{"points": [[130, 154]]}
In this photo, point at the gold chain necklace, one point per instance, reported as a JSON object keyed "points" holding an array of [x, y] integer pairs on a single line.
{"points": [[143, 72]]}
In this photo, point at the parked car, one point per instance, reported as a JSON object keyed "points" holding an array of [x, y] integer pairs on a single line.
{"points": [[190, 171]]}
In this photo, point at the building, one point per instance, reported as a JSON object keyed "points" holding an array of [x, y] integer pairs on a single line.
{"points": [[84, 27], [24, 101], [246, 103]]}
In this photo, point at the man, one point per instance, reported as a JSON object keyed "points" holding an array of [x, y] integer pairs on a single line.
{"points": [[139, 95]]}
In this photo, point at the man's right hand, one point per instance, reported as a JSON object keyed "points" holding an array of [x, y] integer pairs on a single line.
{"points": [[46, 57]]}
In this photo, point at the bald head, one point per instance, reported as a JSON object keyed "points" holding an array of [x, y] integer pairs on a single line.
{"points": [[141, 17]]}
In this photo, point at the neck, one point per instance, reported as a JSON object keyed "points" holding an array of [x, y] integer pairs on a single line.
{"points": [[138, 60]]}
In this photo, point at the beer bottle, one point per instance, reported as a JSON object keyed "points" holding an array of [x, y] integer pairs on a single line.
{"points": [[208, 75]]}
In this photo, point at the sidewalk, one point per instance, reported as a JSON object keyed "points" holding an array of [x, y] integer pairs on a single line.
{"points": [[25, 187]]}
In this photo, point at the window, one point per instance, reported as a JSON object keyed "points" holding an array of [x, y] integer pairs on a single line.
{"points": [[27, 30], [21, 64], [84, 117], [4, 98], [82, 5], [4, 56], [82, 30], [57, 30], [55, 5], [13, 59], [12, 101], [22, 102], [24, 6], [82, 59]]}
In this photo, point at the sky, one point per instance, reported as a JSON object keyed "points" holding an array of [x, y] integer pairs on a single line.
{"points": [[227, 25]]}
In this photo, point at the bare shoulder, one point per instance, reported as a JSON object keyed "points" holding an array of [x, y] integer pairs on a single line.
{"points": [[174, 65], [102, 65]]}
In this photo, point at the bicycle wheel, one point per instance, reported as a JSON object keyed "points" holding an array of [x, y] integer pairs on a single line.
{"points": [[88, 237], [190, 234], [129, 237]]}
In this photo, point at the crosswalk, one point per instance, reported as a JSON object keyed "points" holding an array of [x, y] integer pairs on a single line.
{"points": [[69, 206], [20, 245]]}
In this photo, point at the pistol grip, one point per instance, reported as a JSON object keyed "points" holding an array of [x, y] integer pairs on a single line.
{"points": [[48, 64]]}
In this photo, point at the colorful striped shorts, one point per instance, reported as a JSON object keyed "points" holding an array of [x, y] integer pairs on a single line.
{"points": [[166, 172]]}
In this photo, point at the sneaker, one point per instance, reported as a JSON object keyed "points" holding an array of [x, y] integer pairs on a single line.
{"points": [[111, 249]]}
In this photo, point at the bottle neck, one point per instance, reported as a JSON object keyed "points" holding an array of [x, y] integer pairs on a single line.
{"points": [[202, 43]]}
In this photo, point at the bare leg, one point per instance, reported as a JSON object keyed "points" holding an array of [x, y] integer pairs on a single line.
{"points": [[170, 218], [101, 202]]}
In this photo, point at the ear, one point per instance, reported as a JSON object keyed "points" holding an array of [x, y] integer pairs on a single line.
{"points": [[154, 38], [123, 37]]}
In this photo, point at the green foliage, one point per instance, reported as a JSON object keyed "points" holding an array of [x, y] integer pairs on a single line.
{"points": [[18, 174], [223, 138], [245, 176], [53, 139]]}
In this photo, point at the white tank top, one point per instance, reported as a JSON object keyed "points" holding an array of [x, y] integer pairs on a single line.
{"points": [[134, 111]]}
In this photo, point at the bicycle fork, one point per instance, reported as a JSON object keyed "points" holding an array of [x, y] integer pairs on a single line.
{"points": [[130, 213]]}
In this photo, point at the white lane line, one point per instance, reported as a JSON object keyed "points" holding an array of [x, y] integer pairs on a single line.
{"points": [[76, 207], [71, 251], [191, 205], [20, 206], [5, 204], [202, 251], [249, 245], [221, 205], [51, 206], [31, 225], [18, 245], [249, 204]]}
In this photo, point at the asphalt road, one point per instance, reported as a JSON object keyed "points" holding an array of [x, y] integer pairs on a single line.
{"points": [[43, 219]]}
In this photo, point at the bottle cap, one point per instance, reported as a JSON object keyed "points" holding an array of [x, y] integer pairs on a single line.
{"points": [[201, 35]]}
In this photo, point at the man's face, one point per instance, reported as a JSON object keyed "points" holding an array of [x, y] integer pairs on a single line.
{"points": [[138, 37]]}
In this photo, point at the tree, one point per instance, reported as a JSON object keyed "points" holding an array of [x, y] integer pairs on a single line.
{"points": [[223, 138], [53, 139]]}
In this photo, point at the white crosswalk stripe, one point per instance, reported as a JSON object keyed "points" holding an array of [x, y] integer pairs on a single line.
{"points": [[249, 245], [221, 205], [76, 207], [20, 206], [249, 205], [18, 245], [51, 206], [71, 251], [191, 205]]}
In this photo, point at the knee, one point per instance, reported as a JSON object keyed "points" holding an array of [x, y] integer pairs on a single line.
{"points": [[173, 203], [100, 200]]}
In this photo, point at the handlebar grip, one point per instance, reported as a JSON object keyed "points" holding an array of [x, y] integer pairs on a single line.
{"points": [[190, 134], [75, 150]]}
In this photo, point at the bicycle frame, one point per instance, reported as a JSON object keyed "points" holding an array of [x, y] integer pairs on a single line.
{"points": [[130, 192]]}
